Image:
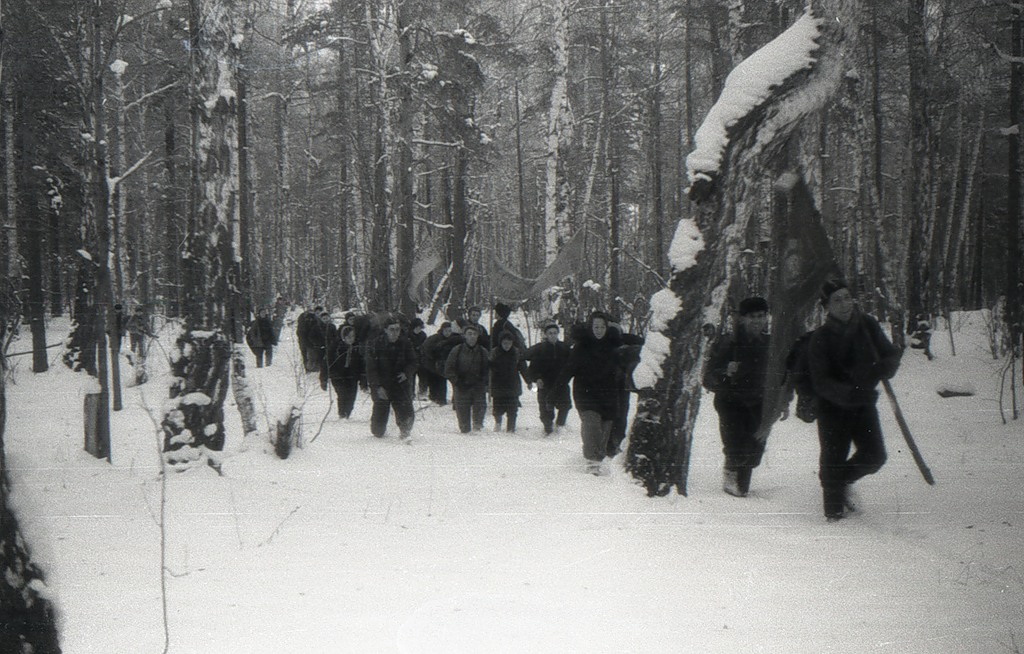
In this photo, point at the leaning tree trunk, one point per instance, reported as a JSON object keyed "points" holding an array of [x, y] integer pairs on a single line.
{"points": [[193, 425], [764, 100]]}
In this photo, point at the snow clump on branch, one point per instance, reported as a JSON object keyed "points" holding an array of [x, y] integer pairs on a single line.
{"points": [[747, 86]]}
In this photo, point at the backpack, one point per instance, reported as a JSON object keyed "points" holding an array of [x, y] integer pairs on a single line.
{"points": [[798, 372]]}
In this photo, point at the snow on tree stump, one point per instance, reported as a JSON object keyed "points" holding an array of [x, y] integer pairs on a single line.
{"points": [[287, 433], [193, 423]]}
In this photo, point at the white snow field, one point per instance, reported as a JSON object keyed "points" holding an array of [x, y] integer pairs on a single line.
{"points": [[492, 542]]}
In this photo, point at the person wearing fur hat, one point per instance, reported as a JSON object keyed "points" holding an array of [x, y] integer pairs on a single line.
{"points": [[848, 356], [547, 359], [466, 368], [735, 372], [390, 366], [506, 367], [597, 379]]}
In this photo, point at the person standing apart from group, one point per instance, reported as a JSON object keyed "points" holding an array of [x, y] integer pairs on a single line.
{"points": [[466, 368], [593, 366], [735, 373], [390, 366], [262, 338], [547, 359], [848, 356]]}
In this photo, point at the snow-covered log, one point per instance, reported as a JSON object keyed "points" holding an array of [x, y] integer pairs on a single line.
{"points": [[763, 101]]}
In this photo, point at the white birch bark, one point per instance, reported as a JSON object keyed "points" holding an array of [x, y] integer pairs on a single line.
{"points": [[555, 200]]}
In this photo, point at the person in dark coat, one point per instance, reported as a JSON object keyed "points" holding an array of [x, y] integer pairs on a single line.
{"points": [[735, 372], [597, 378], [308, 334], [547, 359], [345, 366], [629, 357], [466, 368], [418, 338], [390, 366], [433, 356], [262, 338], [506, 367], [847, 357], [504, 324], [473, 318], [324, 332]]}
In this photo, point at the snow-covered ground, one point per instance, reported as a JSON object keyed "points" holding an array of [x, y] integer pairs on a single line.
{"points": [[501, 543]]}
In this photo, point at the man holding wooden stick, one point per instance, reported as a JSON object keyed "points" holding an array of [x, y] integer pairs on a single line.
{"points": [[849, 355]]}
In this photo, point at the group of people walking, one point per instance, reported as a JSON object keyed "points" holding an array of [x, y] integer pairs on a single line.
{"points": [[836, 368], [388, 357], [843, 362]]}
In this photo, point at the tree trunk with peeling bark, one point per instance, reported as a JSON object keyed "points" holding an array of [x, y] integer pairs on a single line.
{"points": [[194, 423], [700, 290]]}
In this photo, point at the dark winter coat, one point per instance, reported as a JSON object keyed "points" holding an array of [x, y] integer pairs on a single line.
{"points": [[385, 361], [305, 328], [344, 361], [466, 366], [847, 360], [506, 367], [546, 361], [504, 325], [595, 368], [746, 386], [261, 334], [436, 349]]}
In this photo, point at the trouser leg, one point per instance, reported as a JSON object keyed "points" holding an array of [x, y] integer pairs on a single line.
{"points": [[594, 432], [379, 417]]}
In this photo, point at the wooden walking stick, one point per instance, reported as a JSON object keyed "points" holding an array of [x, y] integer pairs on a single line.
{"points": [[901, 421]]}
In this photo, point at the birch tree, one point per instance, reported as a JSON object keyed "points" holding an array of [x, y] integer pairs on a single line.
{"points": [[193, 424], [556, 229]]}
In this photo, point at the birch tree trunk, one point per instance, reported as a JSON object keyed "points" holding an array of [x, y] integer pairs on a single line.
{"points": [[705, 254], [379, 281], [916, 208], [193, 425], [405, 206], [556, 230]]}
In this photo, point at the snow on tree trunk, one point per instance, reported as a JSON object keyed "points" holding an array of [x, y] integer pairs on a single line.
{"points": [[555, 201], [193, 424], [763, 101], [244, 398]]}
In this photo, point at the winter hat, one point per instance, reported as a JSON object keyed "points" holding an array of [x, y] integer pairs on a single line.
{"points": [[551, 325], [753, 305], [830, 287], [602, 315], [506, 336], [443, 325], [470, 327], [415, 322], [503, 310], [392, 320]]}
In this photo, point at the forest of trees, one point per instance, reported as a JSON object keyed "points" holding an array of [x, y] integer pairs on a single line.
{"points": [[199, 158]]}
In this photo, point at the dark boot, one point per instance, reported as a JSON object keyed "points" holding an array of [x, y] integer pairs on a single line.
{"points": [[743, 479], [511, 424]]}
